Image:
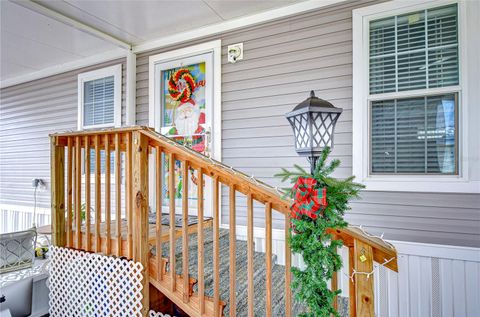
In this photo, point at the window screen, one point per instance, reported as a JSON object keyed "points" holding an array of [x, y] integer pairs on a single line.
{"points": [[414, 51], [98, 101], [414, 135]]}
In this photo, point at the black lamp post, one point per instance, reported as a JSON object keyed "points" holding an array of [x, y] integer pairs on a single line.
{"points": [[313, 123]]}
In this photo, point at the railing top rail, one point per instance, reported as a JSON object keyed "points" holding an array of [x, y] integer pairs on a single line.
{"points": [[264, 193]]}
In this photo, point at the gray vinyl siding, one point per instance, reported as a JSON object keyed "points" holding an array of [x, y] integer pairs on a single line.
{"points": [[29, 112], [283, 61]]}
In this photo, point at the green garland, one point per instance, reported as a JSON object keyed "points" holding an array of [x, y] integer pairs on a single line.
{"points": [[312, 241]]}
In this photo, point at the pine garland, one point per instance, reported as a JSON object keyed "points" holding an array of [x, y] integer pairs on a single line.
{"points": [[310, 238]]}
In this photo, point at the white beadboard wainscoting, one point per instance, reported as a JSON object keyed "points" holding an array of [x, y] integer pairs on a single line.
{"points": [[433, 280], [17, 218]]}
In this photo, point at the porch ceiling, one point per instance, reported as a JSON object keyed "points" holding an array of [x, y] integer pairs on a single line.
{"points": [[31, 42]]}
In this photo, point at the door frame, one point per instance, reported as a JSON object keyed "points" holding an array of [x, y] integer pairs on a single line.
{"points": [[213, 47]]}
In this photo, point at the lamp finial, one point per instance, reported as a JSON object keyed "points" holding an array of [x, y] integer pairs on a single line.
{"points": [[312, 94]]}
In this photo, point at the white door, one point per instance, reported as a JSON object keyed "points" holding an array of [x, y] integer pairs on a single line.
{"points": [[184, 112]]}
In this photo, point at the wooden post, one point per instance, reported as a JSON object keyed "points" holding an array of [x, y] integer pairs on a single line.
{"points": [[57, 179], [363, 259], [140, 216]]}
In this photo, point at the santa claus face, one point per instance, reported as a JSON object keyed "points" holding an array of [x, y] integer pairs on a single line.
{"points": [[186, 119]]}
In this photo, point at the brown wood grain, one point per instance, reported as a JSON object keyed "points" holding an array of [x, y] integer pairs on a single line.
{"points": [[268, 255], [185, 167], [69, 192], [98, 195], [171, 198], [107, 193], [250, 250], [363, 259], [88, 202], [200, 233], [57, 183], [158, 204], [216, 248], [233, 251]]}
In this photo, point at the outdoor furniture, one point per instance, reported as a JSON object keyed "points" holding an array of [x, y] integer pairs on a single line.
{"points": [[17, 250]]}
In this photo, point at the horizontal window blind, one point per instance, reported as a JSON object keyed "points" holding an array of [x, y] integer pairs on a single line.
{"points": [[414, 51], [414, 135], [98, 101]]}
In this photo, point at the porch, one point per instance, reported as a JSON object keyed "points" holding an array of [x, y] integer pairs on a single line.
{"points": [[202, 271]]}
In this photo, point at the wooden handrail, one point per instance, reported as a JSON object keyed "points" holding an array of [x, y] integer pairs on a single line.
{"points": [[136, 144]]}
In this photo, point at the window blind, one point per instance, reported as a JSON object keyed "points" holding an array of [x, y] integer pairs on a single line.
{"points": [[414, 135], [413, 51], [98, 101]]}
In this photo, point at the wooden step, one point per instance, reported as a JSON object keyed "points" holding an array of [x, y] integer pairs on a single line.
{"points": [[191, 306]]}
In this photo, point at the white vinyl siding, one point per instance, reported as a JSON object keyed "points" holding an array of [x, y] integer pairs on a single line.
{"points": [[416, 51]]}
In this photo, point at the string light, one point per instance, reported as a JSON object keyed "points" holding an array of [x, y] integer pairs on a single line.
{"points": [[355, 272], [373, 236]]}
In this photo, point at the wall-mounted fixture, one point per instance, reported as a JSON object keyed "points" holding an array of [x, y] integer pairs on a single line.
{"points": [[235, 52], [313, 123]]}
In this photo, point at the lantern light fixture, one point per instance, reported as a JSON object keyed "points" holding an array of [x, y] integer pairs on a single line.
{"points": [[313, 122]]}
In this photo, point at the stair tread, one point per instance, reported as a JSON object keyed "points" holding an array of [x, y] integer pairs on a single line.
{"points": [[278, 274]]}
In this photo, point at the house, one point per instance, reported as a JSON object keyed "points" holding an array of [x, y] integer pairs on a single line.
{"points": [[405, 73]]}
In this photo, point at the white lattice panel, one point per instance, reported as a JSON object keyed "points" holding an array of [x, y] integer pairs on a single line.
{"points": [[85, 284]]}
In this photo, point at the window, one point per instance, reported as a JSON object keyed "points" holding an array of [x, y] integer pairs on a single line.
{"points": [[409, 101], [409, 52], [99, 104], [99, 98]]}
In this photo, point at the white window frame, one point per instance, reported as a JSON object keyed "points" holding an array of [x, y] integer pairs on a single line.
{"points": [[361, 110], [116, 72]]}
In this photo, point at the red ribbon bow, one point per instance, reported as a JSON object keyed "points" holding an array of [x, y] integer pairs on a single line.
{"points": [[309, 201]]}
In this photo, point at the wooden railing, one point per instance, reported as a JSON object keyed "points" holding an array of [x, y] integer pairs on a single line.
{"points": [[137, 149]]}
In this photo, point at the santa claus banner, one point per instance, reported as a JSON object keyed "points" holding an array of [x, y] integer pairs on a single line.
{"points": [[183, 113]]}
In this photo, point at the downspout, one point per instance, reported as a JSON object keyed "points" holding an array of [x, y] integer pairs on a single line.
{"points": [[131, 88]]}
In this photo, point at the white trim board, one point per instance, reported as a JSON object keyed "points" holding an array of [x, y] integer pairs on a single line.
{"points": [[462, 183]]}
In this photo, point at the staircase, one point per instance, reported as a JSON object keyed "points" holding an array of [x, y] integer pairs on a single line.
{"points": [[204, 271]]}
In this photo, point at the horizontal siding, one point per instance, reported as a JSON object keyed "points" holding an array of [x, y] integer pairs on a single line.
{"points": [[283, 61], [29, 112]]}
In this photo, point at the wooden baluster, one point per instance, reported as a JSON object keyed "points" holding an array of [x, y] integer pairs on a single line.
{"points": [[69, 192], [334, 286], [233, 253], [128, 193], [186, 295], [171, 198], [57, 180], [88, 205], [288, 274], [363, 260], [352, 301], [98, 196], [118, 194], [78, 193], [140, 218], [158, 199], [200, 259], [216, 249], [250, 255], [268, 246], [107, 195]]}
